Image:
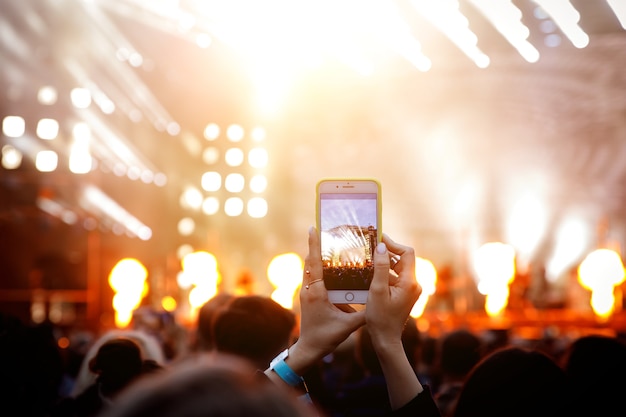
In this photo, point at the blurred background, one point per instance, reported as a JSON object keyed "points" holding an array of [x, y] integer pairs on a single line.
{"points": [[146, 140]]}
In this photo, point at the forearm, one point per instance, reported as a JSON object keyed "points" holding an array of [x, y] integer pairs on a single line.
{"points": [[402, 382]]}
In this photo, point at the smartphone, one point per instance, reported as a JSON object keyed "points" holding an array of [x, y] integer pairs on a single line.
{"points": [[348, 212]]}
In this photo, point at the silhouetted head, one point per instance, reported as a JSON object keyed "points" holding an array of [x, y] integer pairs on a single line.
{"points": [[513, 382], [460, 351], [596, 366], [117, 362], [149, 347], [255, 327], [206, 314]]}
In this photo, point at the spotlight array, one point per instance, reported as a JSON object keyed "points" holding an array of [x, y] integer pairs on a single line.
{"points": [[235, 179]]}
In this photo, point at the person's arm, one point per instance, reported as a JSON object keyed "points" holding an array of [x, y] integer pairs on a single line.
{"points": [[323, 325], [389, 303]]}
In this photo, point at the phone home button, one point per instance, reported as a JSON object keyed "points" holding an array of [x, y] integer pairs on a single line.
{"points": [[349, 296]]}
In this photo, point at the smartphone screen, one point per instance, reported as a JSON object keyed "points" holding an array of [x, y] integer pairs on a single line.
{"points": [[348, 225]]}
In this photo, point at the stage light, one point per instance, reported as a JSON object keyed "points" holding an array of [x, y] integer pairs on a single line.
{"points": [[201, 270], [47, 129], [183, 250], [426, 275], [494, 263], [160, 179], [80, 97], [11, 157], [258, 183], [186, 226], [619, 8], [217, 180], [47, 95], [566, 17], [211, 155], [203, 40], [284, 272], [600, 272], [234, 183], [13, 126], [210, 206], [211, 132], [191, 198], [258, 157], [211, 181], [147, 177], [233, 206], [258, 134], [235, 133], [46, 161], [95, 200], [128, 281], [234, 157], [446, 16], [257, 207]]}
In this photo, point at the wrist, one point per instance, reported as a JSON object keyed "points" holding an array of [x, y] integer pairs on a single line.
{"points": [[301, 359], [280, 371], [280, 367]]}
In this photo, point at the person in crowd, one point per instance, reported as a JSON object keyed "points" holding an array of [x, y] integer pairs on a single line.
{"points": [[596, 365], [31, 367], [162, 325], [458, 352], [323, 326], [224, 384], [426, 361], [203, 336], [117, 364], [150, 349], [80, 340], [514, 382], [254, 327]]}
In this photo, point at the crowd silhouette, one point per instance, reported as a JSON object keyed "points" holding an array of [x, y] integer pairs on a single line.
{"points": [[247, 355]]}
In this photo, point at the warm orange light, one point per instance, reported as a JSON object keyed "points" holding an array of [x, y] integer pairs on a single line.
{"points": [[494, 263], [63, 342], [600, 272], [427, 278], [284, 273], [168, 303], [128, 280], [200, 271]]}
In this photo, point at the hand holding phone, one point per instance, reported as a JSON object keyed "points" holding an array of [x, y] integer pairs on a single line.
{"points": [[348, 215]]}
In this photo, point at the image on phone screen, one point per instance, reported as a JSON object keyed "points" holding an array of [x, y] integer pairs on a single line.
{"points": [[349, 234]]}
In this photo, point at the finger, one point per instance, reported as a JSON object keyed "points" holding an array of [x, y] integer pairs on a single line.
{"points": [[393, 261], [380, 281], [312, 278], [315, 252], [407, 253], [395, 247], [313, 261]]}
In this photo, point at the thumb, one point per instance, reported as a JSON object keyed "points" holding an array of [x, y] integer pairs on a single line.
{"points": [[381, 268]]}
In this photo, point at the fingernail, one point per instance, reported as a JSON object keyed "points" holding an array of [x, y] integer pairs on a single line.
{"points": [[381, 248]]}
